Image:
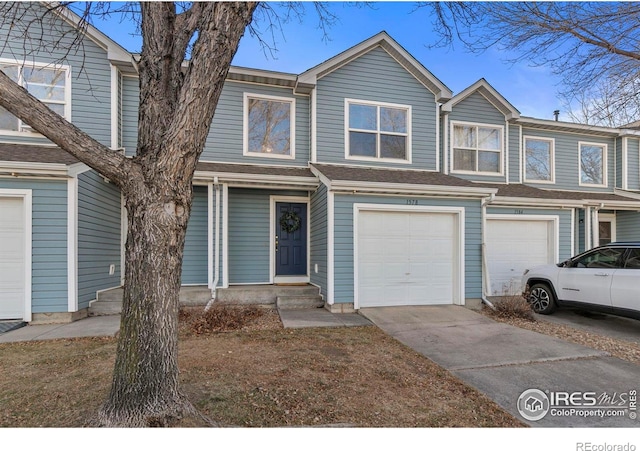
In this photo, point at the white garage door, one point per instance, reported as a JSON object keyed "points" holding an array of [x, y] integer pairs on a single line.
{"points": [[12, 259], [406, 258], [512, 247]]}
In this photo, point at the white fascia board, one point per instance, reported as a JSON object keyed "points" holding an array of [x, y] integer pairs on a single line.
{"points": [[483, 87], [256, 178], [536, 202], [25, 167], [77, 168], [619, 192], [552, 124], [406, 188]]}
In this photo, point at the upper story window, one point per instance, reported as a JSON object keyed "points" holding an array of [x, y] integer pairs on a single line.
{"points": [[269, 126], [477, 148], [539, 159], [593, 164], [377, 131], [48, 83]]}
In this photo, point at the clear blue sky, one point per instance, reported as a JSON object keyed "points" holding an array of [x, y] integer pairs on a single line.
{"points": [[532, 90]]}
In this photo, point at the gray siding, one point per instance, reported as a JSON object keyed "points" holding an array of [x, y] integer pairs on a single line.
{"points": [[567, 164], [90, 70], [195, 261], [49, 243], [225, 140], [633, 164], [627, 226], [343, 241], [477, 109], [249, 222], [318, 245], [99, 230], [130, 100], [515, 138], [376, 77], [564, 224], [618, 160]]}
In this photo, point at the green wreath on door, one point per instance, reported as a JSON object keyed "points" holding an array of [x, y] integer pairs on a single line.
{"points": [[290, 221]]}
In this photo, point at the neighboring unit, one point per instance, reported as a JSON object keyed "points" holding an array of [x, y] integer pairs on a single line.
{"points": [[363, 177]]}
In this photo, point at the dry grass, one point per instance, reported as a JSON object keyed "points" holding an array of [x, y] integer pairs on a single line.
{"points": [[622, 349], [259, 376]]}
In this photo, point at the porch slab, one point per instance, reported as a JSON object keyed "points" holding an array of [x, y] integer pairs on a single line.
{"points": [[319, 317]]}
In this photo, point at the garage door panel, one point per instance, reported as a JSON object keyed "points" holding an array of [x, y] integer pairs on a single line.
{"points": [[12, 258], [512, 247], [416, 264]]}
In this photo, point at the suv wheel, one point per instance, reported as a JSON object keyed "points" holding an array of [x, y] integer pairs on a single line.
{"points": [[541, 299]]}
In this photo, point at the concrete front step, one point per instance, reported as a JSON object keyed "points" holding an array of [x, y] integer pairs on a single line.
{"points": [[299, 302], [264, 294], [109, 302]]}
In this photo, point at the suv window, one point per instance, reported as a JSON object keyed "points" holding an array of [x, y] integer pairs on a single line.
{"points": [[633, 259], [600, 258]]}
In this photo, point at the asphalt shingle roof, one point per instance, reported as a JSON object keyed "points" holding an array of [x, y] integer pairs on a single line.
{"points": [[35, 154]]}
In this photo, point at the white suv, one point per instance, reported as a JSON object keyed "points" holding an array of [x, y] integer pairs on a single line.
{"points": [[605, 279]]}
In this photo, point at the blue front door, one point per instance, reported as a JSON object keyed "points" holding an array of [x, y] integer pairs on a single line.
{"points": [[291, 239]]}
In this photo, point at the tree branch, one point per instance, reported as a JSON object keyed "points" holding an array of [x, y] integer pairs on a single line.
{"points": [[15, 99]]}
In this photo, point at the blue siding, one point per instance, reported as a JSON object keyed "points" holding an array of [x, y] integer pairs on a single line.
{"points": [[225, 139], [196, 251], [344, 235], [627, 226], [633, 164], [477, 109], [130, 100], [515, 140], [99, 242], [90, 70], [618, 160], [377, 77], [564, 225], [567, 164], [249, 211], [318, 245], [49, 243]]}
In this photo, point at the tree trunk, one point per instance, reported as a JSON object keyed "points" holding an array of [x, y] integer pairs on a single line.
{"points": [[144, 390]]}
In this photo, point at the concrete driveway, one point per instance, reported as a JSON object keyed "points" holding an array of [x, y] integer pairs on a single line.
{"points": [[503, 362], [599, 323]]}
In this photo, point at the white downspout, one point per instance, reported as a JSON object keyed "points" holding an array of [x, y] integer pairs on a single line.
{"points": [[216, 276], [587, 228], [486, 277]]}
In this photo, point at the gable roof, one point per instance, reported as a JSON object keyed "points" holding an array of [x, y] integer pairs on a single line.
{"points": [[487, 91], [384, 41]]}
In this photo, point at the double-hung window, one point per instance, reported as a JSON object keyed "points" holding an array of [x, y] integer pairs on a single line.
{"points": [[50, 84], [593, 164], [539, 159], [269, 126], [378, 131], [477, 148]]}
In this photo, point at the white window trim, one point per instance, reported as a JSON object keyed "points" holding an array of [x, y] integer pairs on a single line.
{"points": [[347, 129], [605, 154], [552, 156], [67, 91], [245, 126], [501, 151]]}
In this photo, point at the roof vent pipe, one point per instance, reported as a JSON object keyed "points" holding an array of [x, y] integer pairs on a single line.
{"points": [[556, 113]]}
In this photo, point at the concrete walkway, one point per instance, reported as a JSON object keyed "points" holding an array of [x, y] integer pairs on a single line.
{"points": [[503, 361]]}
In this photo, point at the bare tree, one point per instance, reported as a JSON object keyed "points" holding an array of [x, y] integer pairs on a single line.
{"points": [[589, 44], [178, 100]]}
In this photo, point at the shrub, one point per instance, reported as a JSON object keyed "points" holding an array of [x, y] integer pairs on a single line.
{"points": [[219, 318], [513, 307]]}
